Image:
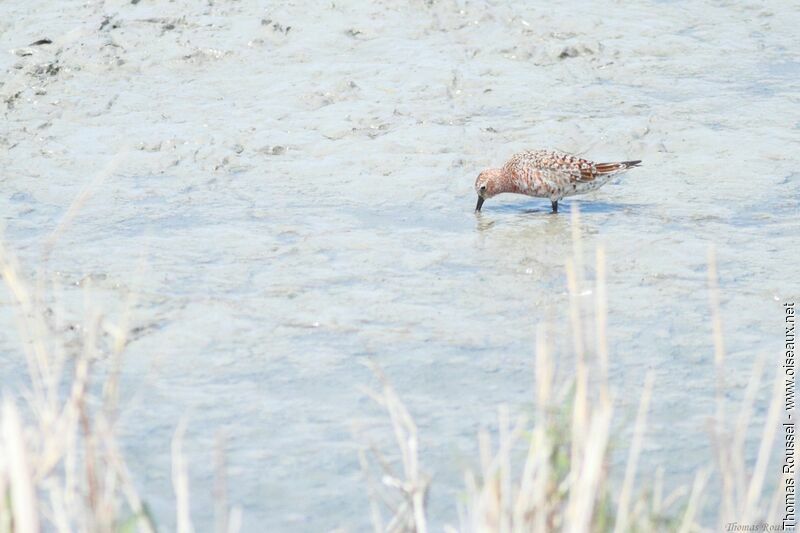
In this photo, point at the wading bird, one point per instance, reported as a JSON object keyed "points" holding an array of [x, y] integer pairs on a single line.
{"points": [[547, 174]]}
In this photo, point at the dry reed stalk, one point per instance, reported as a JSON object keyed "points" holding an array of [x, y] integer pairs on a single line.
{"points": [[756, 485], [373, 493], [695, 498], [23, 495], [544, 499], [408, 514], [221, 516], [72, 475], [80, 200], [601, 319], [724, 459], [531, 505], [741, 494], [633, 456], [75, 469], [180, 481], [743, 422], [580, 415]]}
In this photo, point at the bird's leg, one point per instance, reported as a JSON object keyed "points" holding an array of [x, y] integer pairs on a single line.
{"points": [[554, 203]]}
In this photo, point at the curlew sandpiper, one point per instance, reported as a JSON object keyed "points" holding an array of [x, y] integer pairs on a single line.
{"points": [[547, 174]]}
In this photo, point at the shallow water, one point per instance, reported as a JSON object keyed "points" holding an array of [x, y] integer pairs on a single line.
{"points": [[291, 195]]}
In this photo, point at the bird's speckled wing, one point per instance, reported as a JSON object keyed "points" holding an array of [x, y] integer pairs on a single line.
{"points": [[555, 163], [548, 173]]}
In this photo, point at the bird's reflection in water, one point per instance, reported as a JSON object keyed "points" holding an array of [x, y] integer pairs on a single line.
{"points": [[526, 219], [540, 218], [532, 240]]}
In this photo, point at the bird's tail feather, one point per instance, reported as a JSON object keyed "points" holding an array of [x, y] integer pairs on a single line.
{"points": [[608, 168]]}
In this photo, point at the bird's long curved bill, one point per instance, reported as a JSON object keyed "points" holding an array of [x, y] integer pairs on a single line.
{"points": [[480, 203]]}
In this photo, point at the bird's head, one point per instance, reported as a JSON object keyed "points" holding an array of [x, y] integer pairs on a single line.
{"points": [[488, 184]]}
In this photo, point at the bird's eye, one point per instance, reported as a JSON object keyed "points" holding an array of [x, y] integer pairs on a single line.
{"points": [[483, 188]]}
